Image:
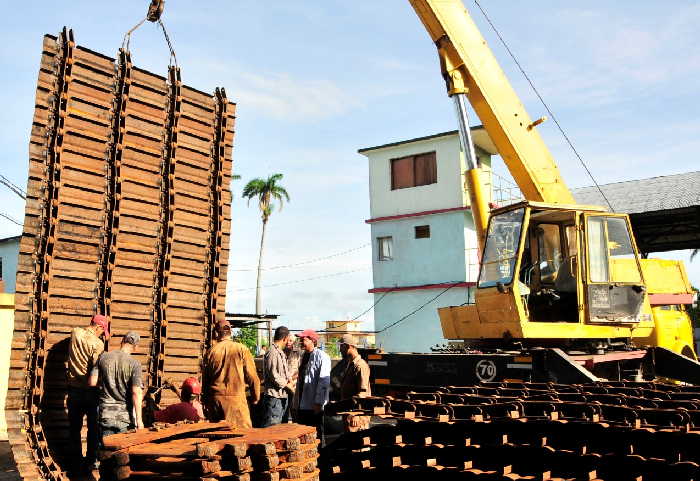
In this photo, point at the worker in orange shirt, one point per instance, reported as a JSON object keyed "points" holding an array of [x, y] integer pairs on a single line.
{"points": [[228, 369]]}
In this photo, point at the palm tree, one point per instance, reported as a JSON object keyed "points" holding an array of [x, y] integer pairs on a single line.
{"points": [[266, 191]]}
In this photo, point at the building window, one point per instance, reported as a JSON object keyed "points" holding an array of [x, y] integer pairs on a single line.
{"points": [[414, 170], [385, 248], [422, 231]]}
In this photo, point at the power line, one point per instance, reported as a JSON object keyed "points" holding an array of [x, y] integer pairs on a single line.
{"points": [[10, 219], [361, 314], [310, 261], [414, 311], [302, 280], [14, 188], [549, 111]]}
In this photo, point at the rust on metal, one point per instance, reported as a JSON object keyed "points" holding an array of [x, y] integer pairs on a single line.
{"points": [[127, 215]]}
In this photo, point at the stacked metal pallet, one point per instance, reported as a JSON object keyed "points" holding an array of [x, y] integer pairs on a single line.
{"points": [[525, 431], [212, 451], [128, 214]]}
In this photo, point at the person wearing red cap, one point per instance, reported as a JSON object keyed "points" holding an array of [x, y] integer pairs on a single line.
{"points": [[189, 409], [86, 345], [228, 368], [313, 384]]}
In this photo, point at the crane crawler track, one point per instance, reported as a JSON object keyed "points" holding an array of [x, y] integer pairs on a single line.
{"points": [[127, 214]]}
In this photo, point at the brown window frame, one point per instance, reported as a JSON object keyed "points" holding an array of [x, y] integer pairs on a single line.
{"points": [[432, 177], [422, 231]]}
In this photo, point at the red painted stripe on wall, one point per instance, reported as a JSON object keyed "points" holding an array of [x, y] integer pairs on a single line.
{"points": [[444, 285], [416, 214]]}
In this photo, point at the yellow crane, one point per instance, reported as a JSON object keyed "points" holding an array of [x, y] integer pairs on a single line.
{"points": [[553, 273]]}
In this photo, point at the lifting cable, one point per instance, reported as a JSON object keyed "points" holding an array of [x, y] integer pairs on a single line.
{"points": [[549, 111], [155, 9]]}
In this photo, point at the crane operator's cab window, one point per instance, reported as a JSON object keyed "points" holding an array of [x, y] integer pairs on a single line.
{"points": [[547, 272], [502, 241], [615, 289]]}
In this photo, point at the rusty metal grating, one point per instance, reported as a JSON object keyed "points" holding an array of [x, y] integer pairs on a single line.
{"points": [[128, 213], [610, 431]]}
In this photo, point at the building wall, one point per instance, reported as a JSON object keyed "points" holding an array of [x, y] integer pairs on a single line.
{"points": [[421, 331], [9, 252], [439, 258], [7, 322], [448, 192], [449, 255]]}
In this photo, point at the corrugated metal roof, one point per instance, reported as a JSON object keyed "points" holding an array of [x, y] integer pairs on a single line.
{"points": [[635, 196]]}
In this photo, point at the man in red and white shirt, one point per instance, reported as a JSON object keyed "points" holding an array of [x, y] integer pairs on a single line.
{"points": [[189, 409]]}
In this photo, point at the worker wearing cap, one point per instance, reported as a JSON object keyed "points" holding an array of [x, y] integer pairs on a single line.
{"points": [[228, 368], [121, 389], [354, 382], [188, 409], [314, 381], [86, 345]]}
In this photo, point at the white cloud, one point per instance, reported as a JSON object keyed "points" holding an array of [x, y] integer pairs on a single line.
{"points": [[285, 97]]}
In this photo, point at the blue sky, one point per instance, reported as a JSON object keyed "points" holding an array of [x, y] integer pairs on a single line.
{"points": [[316, 80]]}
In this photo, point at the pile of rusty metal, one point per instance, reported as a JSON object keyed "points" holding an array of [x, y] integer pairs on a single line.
{"points": [[212, 451], [525, 431], [128, 215]]}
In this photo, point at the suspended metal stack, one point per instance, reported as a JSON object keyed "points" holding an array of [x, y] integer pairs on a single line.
{"points": [[128, 214]]}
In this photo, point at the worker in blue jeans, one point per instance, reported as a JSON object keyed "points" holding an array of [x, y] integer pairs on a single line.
{"points": [[121, 389], [276, 380]]}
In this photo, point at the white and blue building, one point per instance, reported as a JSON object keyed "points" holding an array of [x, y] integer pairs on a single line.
{"points": [[424, 249]]}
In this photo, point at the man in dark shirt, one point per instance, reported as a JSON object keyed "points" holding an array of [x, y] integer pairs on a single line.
{"points": [[121, 389]]}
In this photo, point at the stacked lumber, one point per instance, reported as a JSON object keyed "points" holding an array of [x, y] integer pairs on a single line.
{"points": [[615, 431], [212, 452]]}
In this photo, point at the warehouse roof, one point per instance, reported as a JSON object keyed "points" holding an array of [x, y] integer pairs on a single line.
{"points": [[635, 196], [664, 211]]}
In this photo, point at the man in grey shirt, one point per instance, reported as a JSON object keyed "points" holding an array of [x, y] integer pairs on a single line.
{"points": [[121, 389], [276, 380]]}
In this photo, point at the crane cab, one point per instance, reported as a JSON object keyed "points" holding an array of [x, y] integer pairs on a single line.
{"points": [[560, 275]]}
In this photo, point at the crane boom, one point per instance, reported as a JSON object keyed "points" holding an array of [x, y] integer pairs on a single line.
{"points": [[470, 67]]}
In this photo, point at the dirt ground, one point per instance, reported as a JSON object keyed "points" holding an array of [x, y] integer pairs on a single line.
{"points": [[8, 472]]}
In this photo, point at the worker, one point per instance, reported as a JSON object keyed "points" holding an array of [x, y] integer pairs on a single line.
{"points": [[354, 382], [228, 369], [276, 379], [188, 409], [121, 389], [293, 359], [314, 382], [86, 345]]}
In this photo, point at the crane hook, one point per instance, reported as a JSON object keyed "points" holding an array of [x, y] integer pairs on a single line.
{"points": [[155, 9]]}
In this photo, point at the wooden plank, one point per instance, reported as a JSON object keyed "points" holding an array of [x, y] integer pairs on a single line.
{"points": [[125, 440]]}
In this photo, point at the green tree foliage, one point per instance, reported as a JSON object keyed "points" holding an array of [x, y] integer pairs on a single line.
{"points": [[332, 349], [694, 311], [248, 337], [266, 191]]}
